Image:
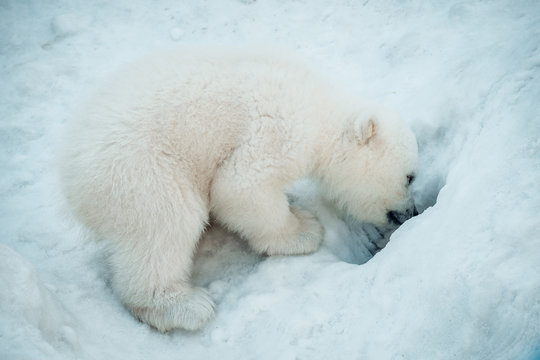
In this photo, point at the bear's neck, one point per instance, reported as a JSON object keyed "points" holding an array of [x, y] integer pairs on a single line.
{"points": [[328, 143]]}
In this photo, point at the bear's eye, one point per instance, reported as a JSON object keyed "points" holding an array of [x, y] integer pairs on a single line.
{"points": [[410, 179]]}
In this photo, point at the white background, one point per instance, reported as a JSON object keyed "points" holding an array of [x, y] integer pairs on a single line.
{"points": [[460, 281]]}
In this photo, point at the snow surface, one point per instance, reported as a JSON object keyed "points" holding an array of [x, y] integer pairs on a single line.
{"points": [[460, 281]]}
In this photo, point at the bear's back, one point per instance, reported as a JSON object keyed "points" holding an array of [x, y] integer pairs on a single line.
{"points": [[195, 104]]}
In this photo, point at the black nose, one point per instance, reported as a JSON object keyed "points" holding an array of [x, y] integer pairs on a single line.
{"points": [[415, 211]]}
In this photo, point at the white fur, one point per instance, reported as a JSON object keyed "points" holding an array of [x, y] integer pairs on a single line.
{"points": [[190, 133]]}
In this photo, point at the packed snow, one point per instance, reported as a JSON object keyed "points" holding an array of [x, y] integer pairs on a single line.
{"points": [[459, 281]]}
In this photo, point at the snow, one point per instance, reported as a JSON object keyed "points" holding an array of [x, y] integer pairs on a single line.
{"points": [[462, 280]]}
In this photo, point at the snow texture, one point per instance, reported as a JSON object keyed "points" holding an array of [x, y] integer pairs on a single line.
{"points": [[459, 281]]}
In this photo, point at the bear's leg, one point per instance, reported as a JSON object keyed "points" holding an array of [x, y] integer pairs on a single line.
{"points": [[262, 215], [152, 260]]}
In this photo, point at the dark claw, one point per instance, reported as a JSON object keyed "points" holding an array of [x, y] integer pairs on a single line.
{"points": [[398, 217], [394, 217]]}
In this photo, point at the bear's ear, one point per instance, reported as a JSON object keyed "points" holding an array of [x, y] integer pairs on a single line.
{"points": [[361, 128]]}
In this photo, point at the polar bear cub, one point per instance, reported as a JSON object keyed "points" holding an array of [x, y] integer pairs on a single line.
{"points": [[180, 137]]}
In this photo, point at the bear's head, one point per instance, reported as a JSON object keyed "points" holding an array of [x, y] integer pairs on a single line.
{"points": [[372, 167]]}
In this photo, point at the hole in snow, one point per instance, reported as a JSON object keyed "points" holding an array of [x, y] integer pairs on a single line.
{"points": [[345, 238], [348, 239], [441, 139]]}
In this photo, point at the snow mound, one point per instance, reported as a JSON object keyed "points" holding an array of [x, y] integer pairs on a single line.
{"points": [[33, 320]]}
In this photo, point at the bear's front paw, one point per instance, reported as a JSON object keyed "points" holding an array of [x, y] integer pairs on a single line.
{"points": [[306, 240], [189, 310]]}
